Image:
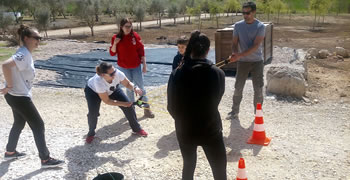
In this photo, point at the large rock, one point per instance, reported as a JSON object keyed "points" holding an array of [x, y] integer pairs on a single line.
{"points": [[323, 54], [286, 80], [312, 53], [341, 52]]}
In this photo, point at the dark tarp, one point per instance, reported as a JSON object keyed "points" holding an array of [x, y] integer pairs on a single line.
{"points": [[76, 69]]}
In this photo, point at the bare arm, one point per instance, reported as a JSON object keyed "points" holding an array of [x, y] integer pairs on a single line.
{"points": [[114, 45], [105, 98], [235, 44], [6, 69], [131, 86], [236, 56]]}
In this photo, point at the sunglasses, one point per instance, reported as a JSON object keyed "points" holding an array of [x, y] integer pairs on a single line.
{"points": [[113, 73], [246, 13], [36, 37]]}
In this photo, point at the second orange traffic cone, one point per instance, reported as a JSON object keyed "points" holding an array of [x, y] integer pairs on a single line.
{"points": [[241, 174], [259, 136]]}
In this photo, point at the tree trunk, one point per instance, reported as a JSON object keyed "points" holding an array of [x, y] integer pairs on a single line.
{"points": [[217, 21], [184, 19], [278, 16], [189, 19], [140, 25], [323, 19], [160, 21], [290, 15], [15, 14], [174, 20], [96, 17], [200, 21], [92, 30], [313, 27]]}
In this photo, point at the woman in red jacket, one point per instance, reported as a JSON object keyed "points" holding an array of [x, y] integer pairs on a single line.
{"points": [[130, 51]]}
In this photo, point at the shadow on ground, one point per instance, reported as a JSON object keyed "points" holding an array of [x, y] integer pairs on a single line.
{"points": [[166, 144], [237, 141], [83, 158]]}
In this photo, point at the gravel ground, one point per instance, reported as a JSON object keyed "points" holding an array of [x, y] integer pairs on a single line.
{"points": [[309, 140]]}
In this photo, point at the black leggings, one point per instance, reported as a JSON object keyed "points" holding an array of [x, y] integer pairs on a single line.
{"points": [[24, 111], [214, 149], [94, 102]]}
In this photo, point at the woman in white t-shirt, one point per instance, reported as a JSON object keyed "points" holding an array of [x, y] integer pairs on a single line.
{"points": [[19, 75], [104, 85]]}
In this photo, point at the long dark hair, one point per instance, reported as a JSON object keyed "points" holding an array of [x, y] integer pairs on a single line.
{"points": [[197, 46], [121, 24], [103, 67], [25, 31]]}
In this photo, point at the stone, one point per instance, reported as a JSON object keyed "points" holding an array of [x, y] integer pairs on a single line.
{"points": [[286, 80], [312, 52], [342, 95], [323, 54], [340, 51]]}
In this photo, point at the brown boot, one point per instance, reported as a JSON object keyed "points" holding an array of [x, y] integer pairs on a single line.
{"points": [[148, 113]]}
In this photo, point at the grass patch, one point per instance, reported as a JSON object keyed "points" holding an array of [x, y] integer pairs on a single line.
{"points": [[3, 44], [6, 53]]}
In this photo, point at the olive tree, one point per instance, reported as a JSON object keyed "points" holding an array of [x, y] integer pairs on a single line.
{"points": [[42, 19]]}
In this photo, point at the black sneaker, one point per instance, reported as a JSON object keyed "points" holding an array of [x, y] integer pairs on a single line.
{"points": [[51, 163], [16, 155]]}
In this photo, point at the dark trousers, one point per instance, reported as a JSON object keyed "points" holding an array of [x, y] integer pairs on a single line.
{"points": [[214, 149], [24, 111], [257, 72], [94, 102]]}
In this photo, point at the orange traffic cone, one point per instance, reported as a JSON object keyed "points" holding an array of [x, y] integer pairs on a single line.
{"points": [[241, 174], [259, 136]]}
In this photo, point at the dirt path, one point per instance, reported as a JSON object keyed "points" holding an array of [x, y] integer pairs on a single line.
{"points": [[113, 27]]}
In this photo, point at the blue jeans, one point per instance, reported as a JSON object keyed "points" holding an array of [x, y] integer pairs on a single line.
{"points": [[94, 102], [135, 76]]}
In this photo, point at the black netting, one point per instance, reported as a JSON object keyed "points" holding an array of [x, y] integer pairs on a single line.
{"points": [[76, 69]]}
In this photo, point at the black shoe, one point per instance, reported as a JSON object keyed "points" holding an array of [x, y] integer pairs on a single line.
{"points": [[51, 163], [16, 155]]}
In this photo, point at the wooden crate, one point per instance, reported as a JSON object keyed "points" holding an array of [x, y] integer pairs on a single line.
{"points": [[223, 45]]}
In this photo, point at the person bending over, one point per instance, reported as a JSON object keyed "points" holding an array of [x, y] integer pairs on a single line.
{"points": [[104, 85]]}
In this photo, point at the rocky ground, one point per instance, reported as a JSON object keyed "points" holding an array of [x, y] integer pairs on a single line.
{"points": [[310, 140]]}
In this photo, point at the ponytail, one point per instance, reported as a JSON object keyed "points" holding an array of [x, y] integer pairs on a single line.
{"points": [[103, 67], [24, 31], [197, 46]]}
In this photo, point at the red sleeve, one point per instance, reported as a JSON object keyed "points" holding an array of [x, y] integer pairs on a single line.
{"points": [[140, 47], [110, 48]]}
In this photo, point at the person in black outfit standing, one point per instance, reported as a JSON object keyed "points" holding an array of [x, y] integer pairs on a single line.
{"points": [[195, 90]]}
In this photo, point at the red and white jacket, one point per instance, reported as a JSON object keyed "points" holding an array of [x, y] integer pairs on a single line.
{"points": [[129, 50]]}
